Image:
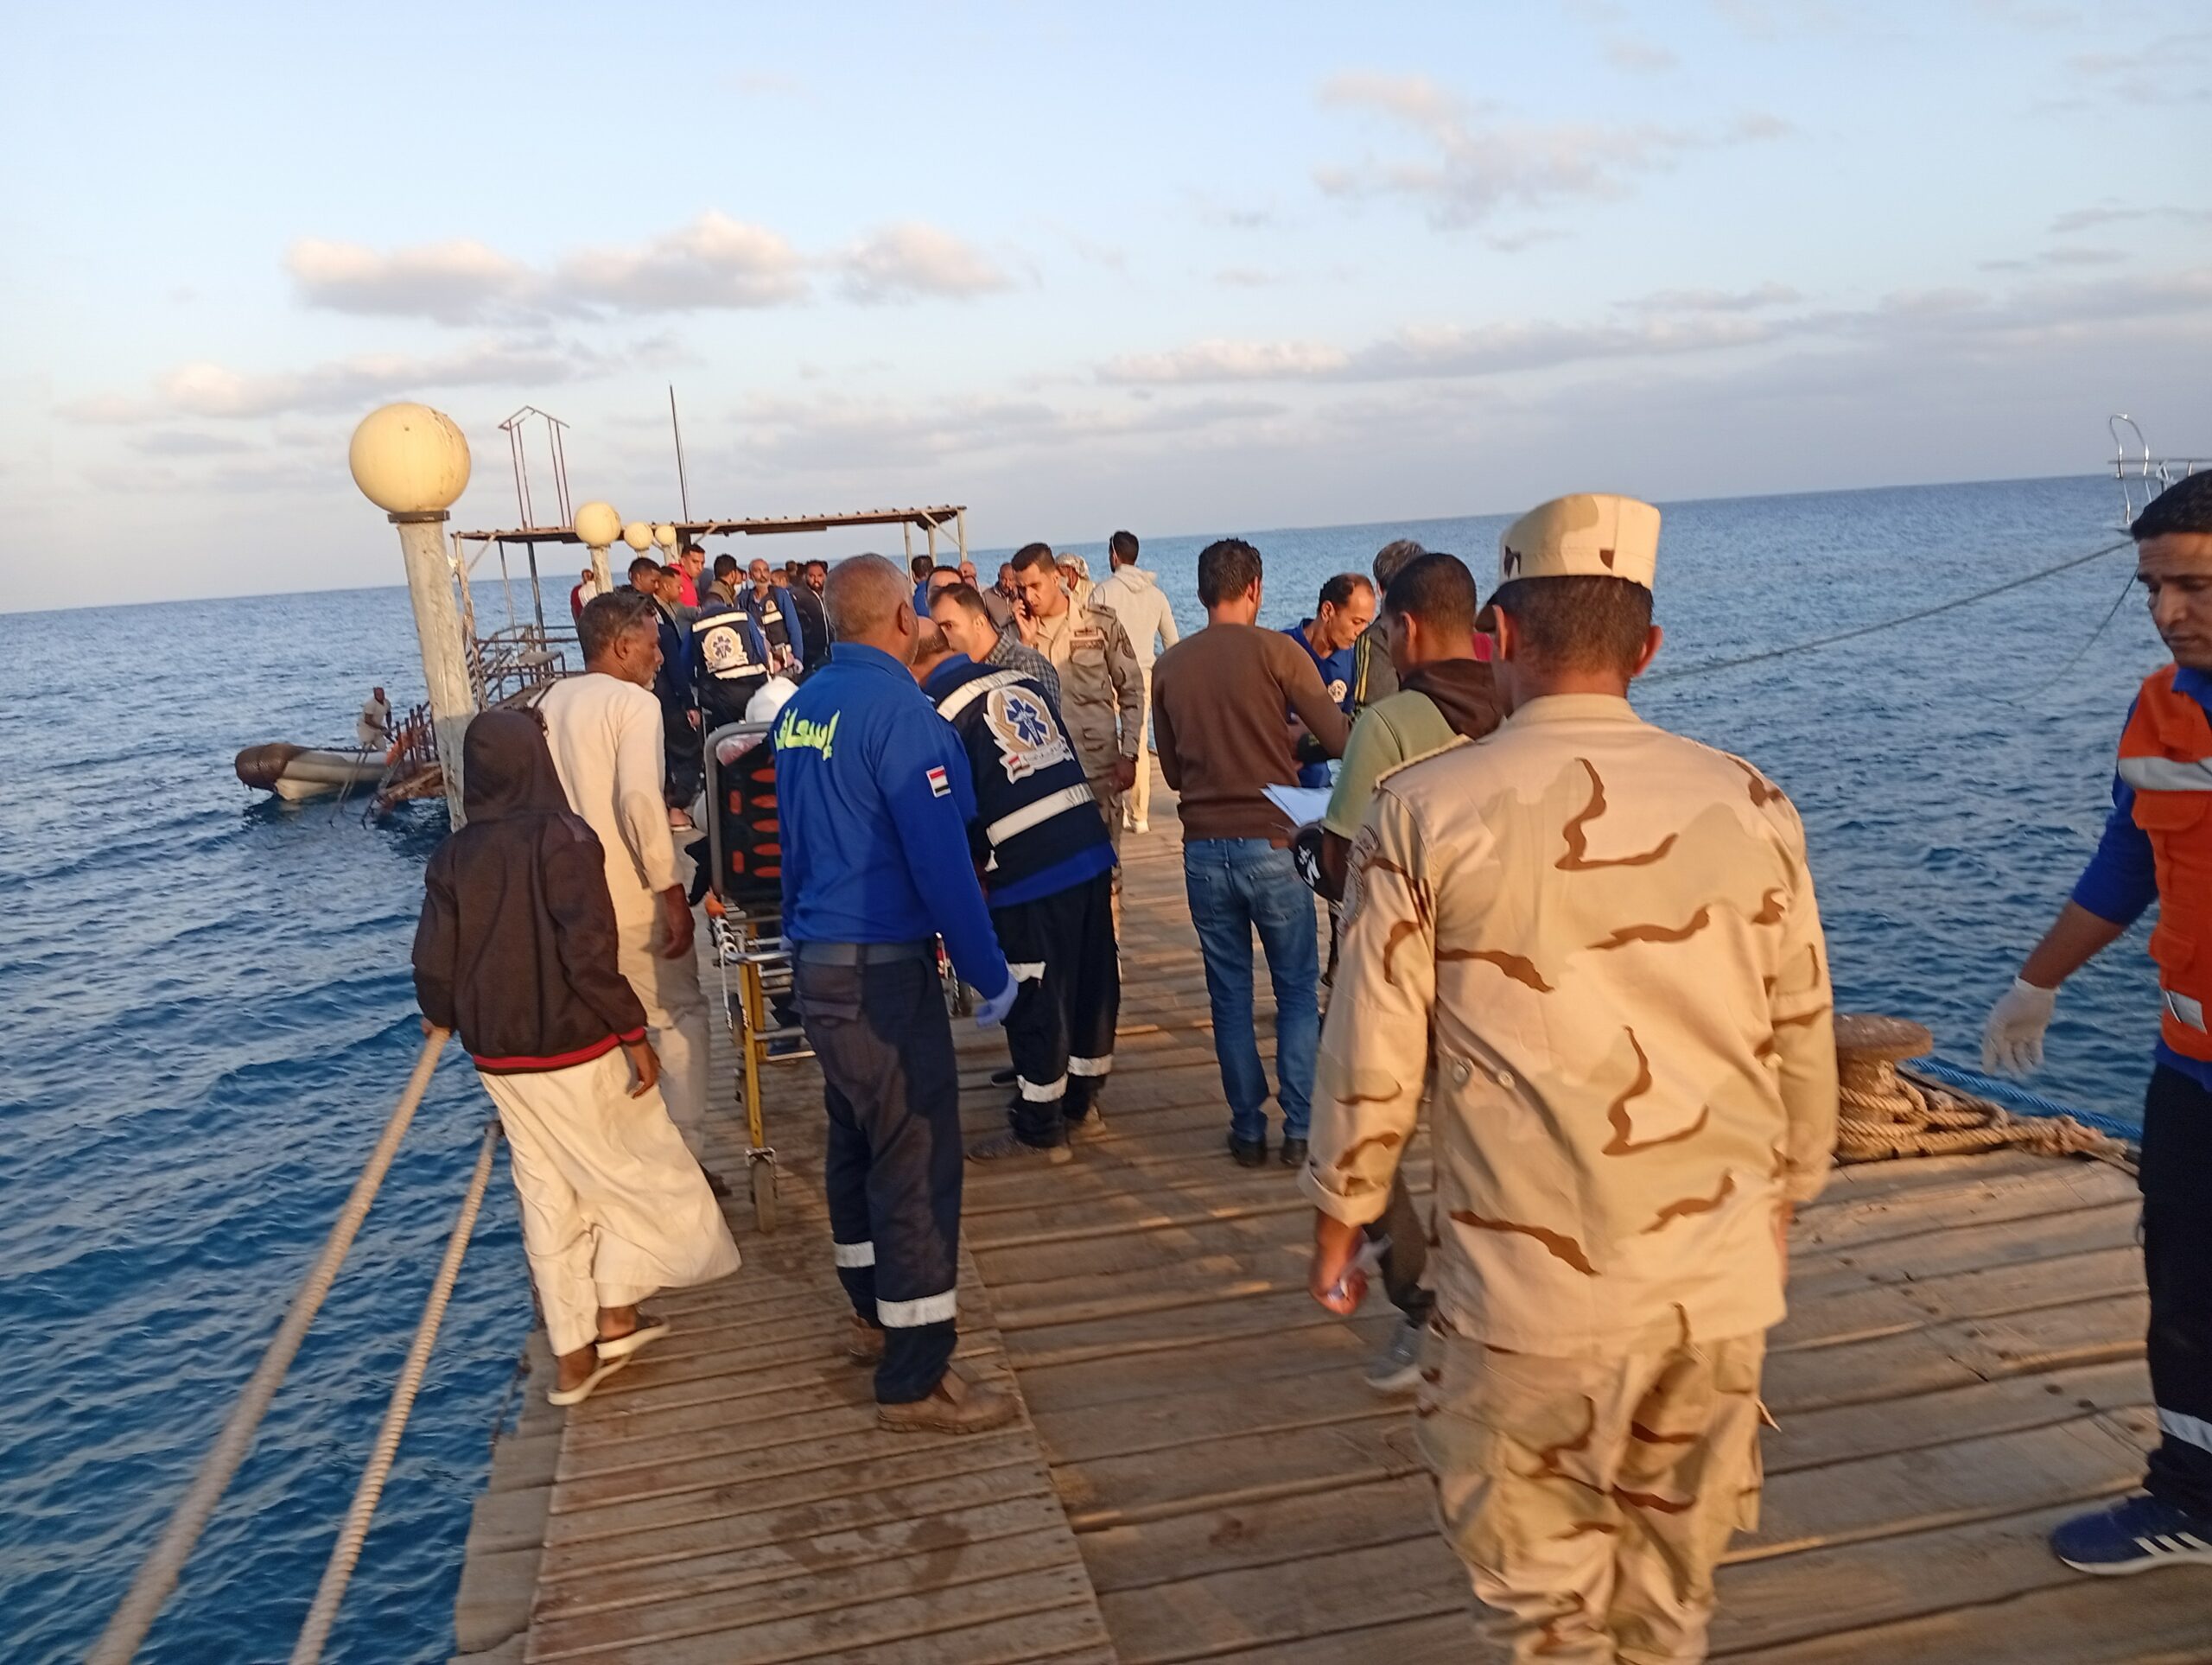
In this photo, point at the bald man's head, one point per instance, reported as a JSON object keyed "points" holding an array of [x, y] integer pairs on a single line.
{"points": [[870, 601]]}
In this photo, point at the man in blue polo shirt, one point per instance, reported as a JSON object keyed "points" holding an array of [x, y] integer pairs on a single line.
{"points": [[1330, 637], [1041, 841], [874, 792]]}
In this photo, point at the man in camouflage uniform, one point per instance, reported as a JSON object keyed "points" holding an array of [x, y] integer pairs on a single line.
{"points": [[1102, 686], [1597, 944]]}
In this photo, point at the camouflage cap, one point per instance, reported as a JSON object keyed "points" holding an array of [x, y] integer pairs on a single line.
{"points": [[1590, 534]]}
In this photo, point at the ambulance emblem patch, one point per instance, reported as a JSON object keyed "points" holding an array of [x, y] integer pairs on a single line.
{"points": [[939, 787], [1029, 738]]}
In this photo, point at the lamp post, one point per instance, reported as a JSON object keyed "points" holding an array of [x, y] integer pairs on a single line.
{"points": [[598, 525], [412, 462]]}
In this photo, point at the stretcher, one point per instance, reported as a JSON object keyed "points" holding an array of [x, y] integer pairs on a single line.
{"points": [[745, 916]]}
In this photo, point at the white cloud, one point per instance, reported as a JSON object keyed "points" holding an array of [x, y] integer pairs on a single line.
{"points": [[218, 392], [902, 262], [1229, 361], [1475, 163], [714, 263], [1751, 299], [459, 281]]}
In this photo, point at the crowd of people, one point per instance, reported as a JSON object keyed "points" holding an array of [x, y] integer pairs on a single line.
{"points": [[1585, 951]]}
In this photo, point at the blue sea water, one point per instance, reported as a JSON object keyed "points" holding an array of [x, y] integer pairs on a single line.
{"points": [[213, 1013]]}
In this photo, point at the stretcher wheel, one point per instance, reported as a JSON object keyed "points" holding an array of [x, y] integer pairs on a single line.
{"points": [[764, 1196]]}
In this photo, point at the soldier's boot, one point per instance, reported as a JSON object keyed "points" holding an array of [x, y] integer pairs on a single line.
{"points": [[954, 1406], [863, 1341]]}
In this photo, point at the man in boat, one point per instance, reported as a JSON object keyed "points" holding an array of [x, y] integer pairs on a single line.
{"points": [[959, 610], [604, 729], [1047, 864], [2157, 846], [874, 791], [517, 951], [1445, 694], [1599, 941], [1218, 696], [1102, 690], [372, 728]]}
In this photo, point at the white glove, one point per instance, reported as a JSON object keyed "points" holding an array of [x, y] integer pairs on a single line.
{"points": [[992, 1012], [2012, 1039]]}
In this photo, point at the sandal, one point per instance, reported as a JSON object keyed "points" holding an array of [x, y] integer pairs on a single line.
{"points": [[583, 1390], [649, 1328]]}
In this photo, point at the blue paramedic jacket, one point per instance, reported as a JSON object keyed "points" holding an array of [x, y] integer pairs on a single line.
{"points": [[1037, 828], [2121, 880], [873, 792]]}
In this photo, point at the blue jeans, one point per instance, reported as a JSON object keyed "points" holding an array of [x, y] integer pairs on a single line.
{"points": [[1236, 883]]}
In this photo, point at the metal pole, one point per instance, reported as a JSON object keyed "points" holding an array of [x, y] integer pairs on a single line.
{"points": [[961, 516], [682, 490], [906, 536], [437, 626]]}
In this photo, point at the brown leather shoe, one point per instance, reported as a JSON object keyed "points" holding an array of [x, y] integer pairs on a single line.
{"points": [[863, 1342], [955, 1406]]}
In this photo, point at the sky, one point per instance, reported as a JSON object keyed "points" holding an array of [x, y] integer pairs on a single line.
{"points": [[1183, 269]]}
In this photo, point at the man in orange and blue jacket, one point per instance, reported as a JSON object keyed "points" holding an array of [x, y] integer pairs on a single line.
{"points": [[2157, 846]]}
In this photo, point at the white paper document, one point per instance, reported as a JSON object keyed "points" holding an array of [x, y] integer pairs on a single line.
{"points": [[1301, 804]]}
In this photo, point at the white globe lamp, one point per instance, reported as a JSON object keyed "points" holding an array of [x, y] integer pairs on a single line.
{"points": [[638, 536], [412, 462], [597, 526], [664, 534]]}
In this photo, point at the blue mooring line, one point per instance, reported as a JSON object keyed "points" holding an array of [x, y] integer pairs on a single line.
{"points": [[2016, 1098]]}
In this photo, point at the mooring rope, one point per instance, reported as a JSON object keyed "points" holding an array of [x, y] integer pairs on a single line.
{"points": [[1707, 667], [323, 1613], [158, 1577], [1884, 1116]]}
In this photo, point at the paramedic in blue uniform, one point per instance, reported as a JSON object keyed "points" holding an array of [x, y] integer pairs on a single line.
{"points": [[873, 789], [1040, 840], [729, 660]]}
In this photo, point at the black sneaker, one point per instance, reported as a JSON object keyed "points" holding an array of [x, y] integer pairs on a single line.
{"points": [[1005, 1078], [1293, 1153], [1249, 1153]]}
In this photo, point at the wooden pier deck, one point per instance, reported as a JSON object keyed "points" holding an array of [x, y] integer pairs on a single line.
{"points": [[1202, 1475]]}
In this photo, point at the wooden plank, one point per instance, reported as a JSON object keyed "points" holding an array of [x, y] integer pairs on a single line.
{"points": [[758, 1587], [810, 1516], [934, 1624]]}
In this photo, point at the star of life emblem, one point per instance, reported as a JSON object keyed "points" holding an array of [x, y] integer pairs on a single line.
{"points": [[1028, 737], [724, 648]]}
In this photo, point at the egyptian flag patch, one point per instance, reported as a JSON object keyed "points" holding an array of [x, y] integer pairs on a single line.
{"points": [[939, 787]]}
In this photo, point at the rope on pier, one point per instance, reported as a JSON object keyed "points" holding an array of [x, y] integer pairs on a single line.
{"points": [[158, 1577], [1884, 1116], [323, 1613]]}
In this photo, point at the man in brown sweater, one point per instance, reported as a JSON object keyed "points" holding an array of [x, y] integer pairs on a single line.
{"points": [[1218, 698]]}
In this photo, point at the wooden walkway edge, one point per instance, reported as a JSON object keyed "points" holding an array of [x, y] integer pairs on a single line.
{"points": [[1202, 1475]]}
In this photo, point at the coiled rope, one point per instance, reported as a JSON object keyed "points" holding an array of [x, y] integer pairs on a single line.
{"points": [[157, 1576], [323, 1612], [1884, 1117]]}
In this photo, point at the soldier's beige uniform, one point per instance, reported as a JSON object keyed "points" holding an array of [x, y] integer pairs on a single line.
{"points": [[1102, 702], [1598, 942]]}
